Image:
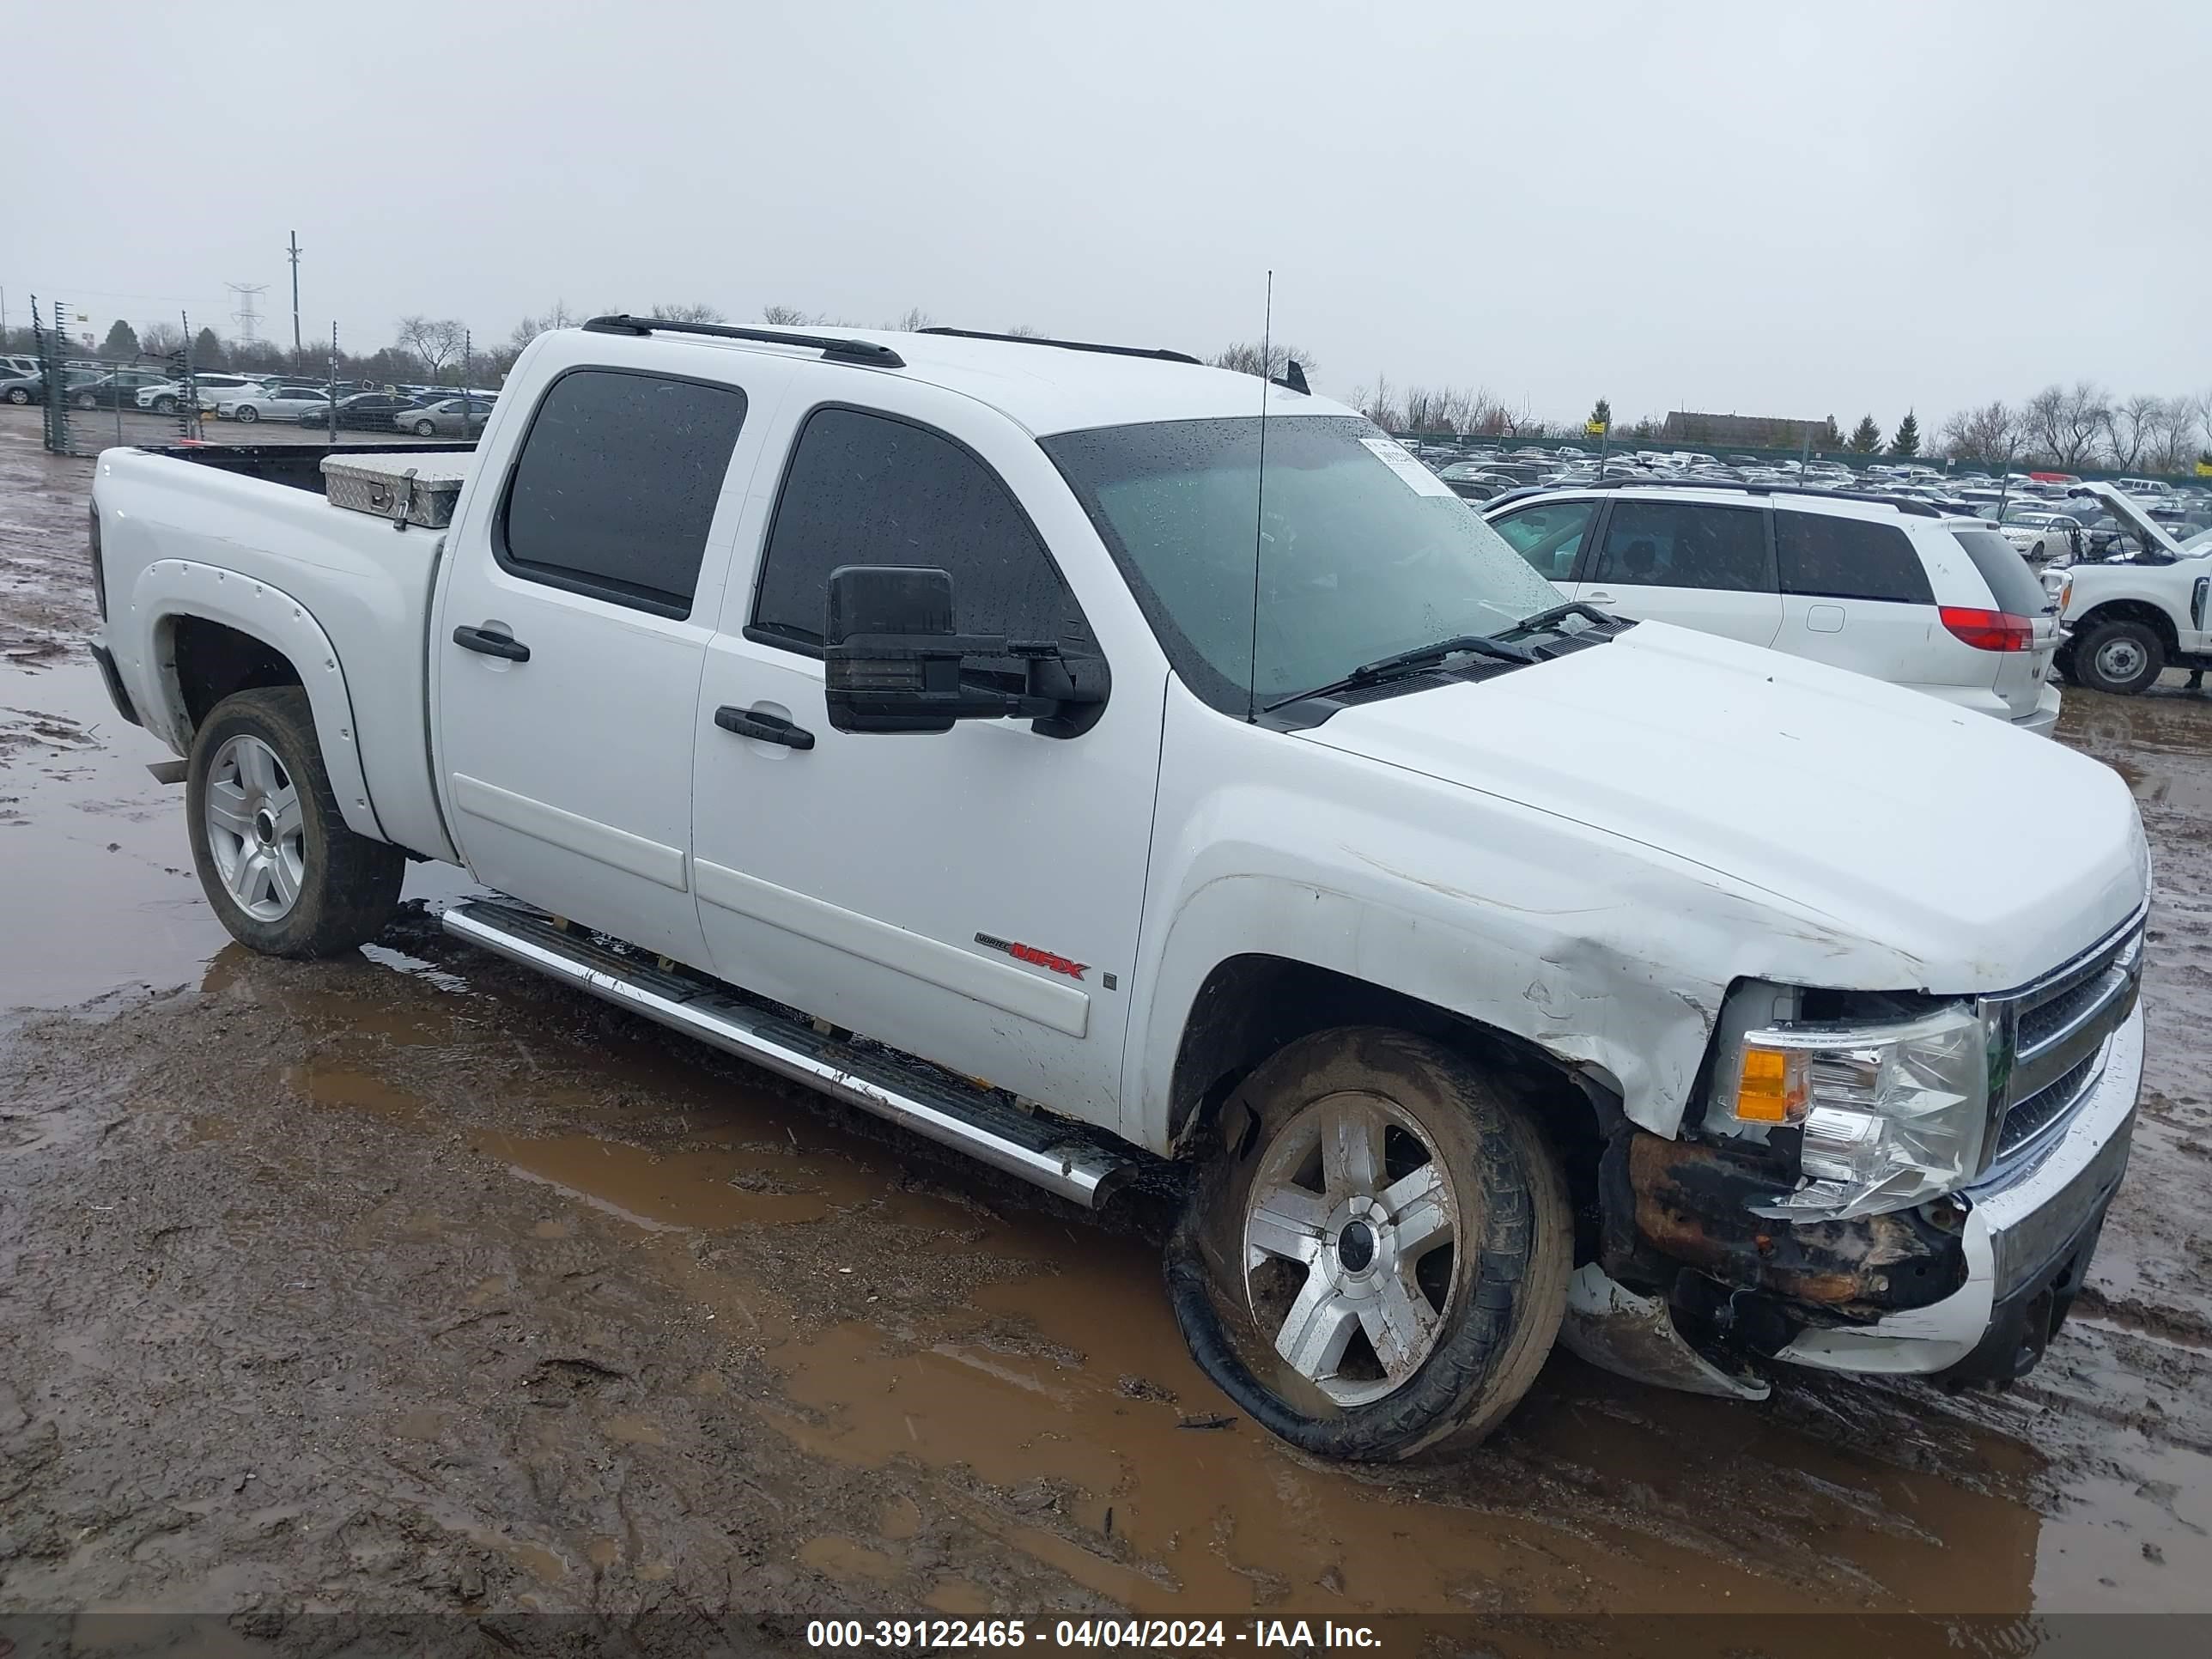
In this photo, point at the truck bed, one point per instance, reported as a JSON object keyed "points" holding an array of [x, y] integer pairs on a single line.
{"points": [[344, 596]]}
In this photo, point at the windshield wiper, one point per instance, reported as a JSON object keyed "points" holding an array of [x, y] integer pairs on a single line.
{"points": [[1401, 663]]}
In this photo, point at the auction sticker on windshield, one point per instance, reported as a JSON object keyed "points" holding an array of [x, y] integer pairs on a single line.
{"points": [[1400, 460]]}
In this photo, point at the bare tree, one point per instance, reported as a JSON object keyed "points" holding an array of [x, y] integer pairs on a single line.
{"points": [[1026, 332], [435, 340], [2172, 445], [691, 313], [531, 327], [2133, 424], [1991, 433], [1376, 406], [912, 320], [787, 317], [1243, 357], [2065, 424], [160, 339]]}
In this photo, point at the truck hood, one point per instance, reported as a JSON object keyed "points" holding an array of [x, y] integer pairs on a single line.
{"points": [[1969, 856]]}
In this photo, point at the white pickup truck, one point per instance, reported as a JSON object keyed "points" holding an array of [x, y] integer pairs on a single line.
{"points": [[2132, 616], [1038, 745]]}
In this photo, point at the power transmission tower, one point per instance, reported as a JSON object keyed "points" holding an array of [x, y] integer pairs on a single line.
{"points": [[247, 317]]}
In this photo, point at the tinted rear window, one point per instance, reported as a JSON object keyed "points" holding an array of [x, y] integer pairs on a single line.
{"points": [[1835, 558], [615, 486], [2013, 585]]}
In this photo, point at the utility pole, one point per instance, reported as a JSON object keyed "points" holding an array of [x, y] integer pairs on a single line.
{"points": [[297, 355]]}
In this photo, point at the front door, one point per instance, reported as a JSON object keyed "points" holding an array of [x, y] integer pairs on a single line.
{"points": [[1698, 565], [971, 896], [567, 647]]}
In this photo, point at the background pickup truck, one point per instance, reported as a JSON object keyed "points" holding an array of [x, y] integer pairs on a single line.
{"points": [[2131, 617], [974, 730]]}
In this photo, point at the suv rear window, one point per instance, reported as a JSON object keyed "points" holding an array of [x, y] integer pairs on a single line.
{"points": [[1825, 556], [2012, 584]]}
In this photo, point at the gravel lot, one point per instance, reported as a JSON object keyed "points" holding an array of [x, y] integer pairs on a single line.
{"points": [[411, 1284]]}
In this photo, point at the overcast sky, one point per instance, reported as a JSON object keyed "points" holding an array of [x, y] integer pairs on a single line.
{"points": [[1772, 208]]}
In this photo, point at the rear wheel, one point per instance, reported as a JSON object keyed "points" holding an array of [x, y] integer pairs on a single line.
{"points": [[273, 852], [1375, 1263], [17, 395], [2121, 657]]}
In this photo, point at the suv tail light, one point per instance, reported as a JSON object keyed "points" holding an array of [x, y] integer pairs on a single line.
{"points": [[1989, 630]]}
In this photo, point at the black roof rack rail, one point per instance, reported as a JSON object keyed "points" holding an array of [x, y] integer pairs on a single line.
{"points": [[1160, 352], [870, 352], [1902, 504]]}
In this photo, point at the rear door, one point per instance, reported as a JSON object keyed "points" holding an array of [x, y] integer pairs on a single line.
{"points": [[1698, 564], [1854, 593], [568, 771]]}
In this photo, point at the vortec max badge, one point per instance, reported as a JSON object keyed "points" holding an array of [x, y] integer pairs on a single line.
{"points": [[1059, 964]]}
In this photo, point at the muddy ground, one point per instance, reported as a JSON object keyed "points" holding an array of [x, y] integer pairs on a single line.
{"points": [[411, 1283]]}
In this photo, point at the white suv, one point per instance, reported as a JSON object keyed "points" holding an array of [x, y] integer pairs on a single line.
{"points": [[1891, 588]]}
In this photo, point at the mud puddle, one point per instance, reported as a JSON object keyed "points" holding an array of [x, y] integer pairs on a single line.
{"points": [[95, 863], [1016, 1373]]}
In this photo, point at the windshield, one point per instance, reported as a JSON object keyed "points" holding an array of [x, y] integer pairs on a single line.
{"points": [[1361, 550]]}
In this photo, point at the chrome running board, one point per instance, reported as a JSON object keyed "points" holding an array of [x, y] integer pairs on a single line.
{"points": [[1041, 1150]]}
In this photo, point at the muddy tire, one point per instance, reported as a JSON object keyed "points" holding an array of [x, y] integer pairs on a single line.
{"points": [[274, 854], [1373, 1263], [2122, 658]]}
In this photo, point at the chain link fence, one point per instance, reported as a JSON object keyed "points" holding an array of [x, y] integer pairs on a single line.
{"points": [[85, 402]]}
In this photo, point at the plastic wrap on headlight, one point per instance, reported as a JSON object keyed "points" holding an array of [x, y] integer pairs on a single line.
{"points": [[1887, 1116]]}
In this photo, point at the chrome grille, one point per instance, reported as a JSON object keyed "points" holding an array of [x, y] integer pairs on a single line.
{"points": [[2051, 1038]]}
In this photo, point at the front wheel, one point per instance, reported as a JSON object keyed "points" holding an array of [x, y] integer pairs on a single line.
{"points": [[274, 854], [2119, 656], [1375, 1262], [85, 400], [165, 405], [247, 414], [425, 429]]}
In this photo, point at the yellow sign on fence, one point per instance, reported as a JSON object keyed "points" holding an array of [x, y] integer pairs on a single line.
{"points": [[1594, 428]]}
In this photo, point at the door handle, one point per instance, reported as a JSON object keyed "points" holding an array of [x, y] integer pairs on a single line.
{"points": [[768, 728], [491, 645], [1598, 598]]}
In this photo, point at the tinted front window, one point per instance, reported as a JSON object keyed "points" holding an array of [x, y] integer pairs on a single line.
{"points": [[867, 488], [1685, 544], [2012, 584], [1839, 558], [616, 485], [1354, 549]]}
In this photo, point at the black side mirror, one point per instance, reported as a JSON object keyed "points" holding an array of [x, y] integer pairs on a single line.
{"points": [[891, 660]]}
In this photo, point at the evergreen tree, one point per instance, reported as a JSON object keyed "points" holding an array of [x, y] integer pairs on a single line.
{"points": [[1602, 413], [1866, 436], [207, 350], [122, 340], [1907, 443]]}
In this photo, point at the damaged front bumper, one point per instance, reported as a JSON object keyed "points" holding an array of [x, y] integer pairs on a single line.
{"points": [[1970, 1285]]}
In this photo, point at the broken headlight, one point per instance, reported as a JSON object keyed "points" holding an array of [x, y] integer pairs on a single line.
{"points": [[1886, 1114]]}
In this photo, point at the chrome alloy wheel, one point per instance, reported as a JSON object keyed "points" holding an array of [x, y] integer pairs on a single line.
{"points": [[1349, 1246], [255, 830]]}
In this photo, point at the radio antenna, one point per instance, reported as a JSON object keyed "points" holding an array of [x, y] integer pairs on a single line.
{"points": [[1260, 502]]}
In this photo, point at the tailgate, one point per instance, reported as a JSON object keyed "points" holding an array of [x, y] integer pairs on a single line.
{"points": [[2015, 590], [2020, 674]]}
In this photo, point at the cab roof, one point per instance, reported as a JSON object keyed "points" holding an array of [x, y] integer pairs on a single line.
{"points": [[1041, 385]]}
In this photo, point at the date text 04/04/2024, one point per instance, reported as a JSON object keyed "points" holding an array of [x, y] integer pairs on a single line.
{"points": [[897, 1635]]}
